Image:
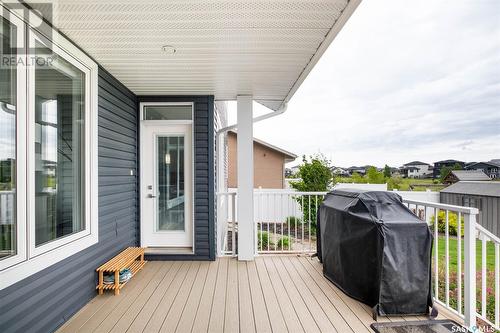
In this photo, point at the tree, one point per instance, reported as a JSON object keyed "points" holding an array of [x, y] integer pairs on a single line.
{"points": [[446, 170], [357, 178], [375, 177], [315, 176], [387, 171]]}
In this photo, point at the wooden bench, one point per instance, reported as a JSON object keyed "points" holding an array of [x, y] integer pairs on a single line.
{"points": [[131, 258]]}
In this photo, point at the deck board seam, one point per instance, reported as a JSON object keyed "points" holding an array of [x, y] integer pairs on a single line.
{"points": [[299, 293], [263, 264], [137, 286], [335, 292], [274, 259], [286, 293], [213, 297], [152, 314], [274, 294], [151, 281], [299, 267], [199, 302], [177, 295], [251, 300], [187, 298], [344, 297], [177, 269], [291, 266]]}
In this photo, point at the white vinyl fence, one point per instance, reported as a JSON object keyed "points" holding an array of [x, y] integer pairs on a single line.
{"points": [[6, 207]]}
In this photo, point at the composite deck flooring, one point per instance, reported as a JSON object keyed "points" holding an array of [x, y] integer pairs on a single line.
{"points": [[270, 294]]}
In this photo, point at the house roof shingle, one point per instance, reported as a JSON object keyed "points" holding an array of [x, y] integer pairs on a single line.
{"points": [[416, 163], [470, 175], [487, 188]]}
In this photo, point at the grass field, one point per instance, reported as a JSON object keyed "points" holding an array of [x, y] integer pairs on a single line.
{"points": [[453, 287], [490, 253], [403, 184]]}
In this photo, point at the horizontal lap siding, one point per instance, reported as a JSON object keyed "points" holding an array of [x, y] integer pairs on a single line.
{"points": [[489, 212], [42, 302], [204, 174]]}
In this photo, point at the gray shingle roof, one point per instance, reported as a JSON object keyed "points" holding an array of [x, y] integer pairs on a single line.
{"points": [[416, 163], [470, 175], [489, 188]]}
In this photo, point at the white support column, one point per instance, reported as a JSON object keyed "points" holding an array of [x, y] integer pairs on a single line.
{"points": [[246, 229], [470, 269]]}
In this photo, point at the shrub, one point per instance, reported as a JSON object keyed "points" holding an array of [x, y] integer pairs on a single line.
{"points": [[452, 223], [263, 240], [283, 243], [315, 175], [293, 221]]}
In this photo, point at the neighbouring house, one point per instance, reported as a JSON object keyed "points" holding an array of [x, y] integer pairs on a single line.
{"points": [[355, 169], [268, 163], [465, 175], [492, 169], [416, 169], [436, 171], [338, 171], [112, 135], [294, 170], [483, 195]]}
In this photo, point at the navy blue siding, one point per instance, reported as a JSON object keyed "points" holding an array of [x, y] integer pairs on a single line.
{"points": [[204, 173], [45, 300]]}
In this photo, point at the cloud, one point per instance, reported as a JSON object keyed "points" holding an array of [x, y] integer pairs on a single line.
{"points": [[404, 80]]}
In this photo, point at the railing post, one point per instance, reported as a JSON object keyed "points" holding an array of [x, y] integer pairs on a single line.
{"points": [[470, 269]]}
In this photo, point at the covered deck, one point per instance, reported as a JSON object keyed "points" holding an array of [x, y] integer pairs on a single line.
{"points": [[286, 293]]}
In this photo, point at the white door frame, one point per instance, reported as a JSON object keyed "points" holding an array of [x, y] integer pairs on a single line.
{"points": [[143, 190]]}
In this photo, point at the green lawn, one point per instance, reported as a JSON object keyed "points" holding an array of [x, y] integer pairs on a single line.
{"points": [[490, 253], [403, 184]]}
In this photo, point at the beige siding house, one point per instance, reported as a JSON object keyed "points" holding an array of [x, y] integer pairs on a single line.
{"points": [[269, 163]]}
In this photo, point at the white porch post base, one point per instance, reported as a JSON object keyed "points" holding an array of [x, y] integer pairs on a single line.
{"points": [[246, 231]]}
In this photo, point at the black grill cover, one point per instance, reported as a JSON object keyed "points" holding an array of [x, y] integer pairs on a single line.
{"points": [[376, 250]]}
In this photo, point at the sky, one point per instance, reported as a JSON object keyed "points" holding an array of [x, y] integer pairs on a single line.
{"points": [[403, 81]]}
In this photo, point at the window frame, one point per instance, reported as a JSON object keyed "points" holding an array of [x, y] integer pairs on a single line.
{"points": [[38, 258], [20, 198]]}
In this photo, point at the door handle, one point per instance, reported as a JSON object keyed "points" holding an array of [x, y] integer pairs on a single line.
{"points": [[151, 196]]}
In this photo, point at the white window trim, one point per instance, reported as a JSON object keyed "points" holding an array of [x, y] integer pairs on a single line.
{"points": [[37, 259], [21, 253]]}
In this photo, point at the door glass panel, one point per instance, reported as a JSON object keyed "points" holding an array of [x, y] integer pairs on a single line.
{"points": [[8, 84], [170, 178], [59, 148]]}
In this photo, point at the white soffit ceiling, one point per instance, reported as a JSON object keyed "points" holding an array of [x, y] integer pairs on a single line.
{"points": [[223, 47]]}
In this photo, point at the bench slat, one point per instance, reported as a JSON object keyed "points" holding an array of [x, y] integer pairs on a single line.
{"points": [[131, 258]]}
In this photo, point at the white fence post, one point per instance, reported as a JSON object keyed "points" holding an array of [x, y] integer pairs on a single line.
{"points": [[470, 269]]}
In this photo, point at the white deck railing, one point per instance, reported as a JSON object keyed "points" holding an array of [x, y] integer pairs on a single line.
{"points": [[7, 207], [285, 223]]}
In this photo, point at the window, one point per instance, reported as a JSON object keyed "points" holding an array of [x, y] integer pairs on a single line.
{"points": [[59, 142], [48, 150], [8, 153], [168, 112], [469, 201]]}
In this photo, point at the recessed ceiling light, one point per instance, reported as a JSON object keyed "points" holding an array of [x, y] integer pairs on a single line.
{"points": [[168, 49]]}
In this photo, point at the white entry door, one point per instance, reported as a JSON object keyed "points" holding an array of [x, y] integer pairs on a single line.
{"points": [[166, 185]]}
